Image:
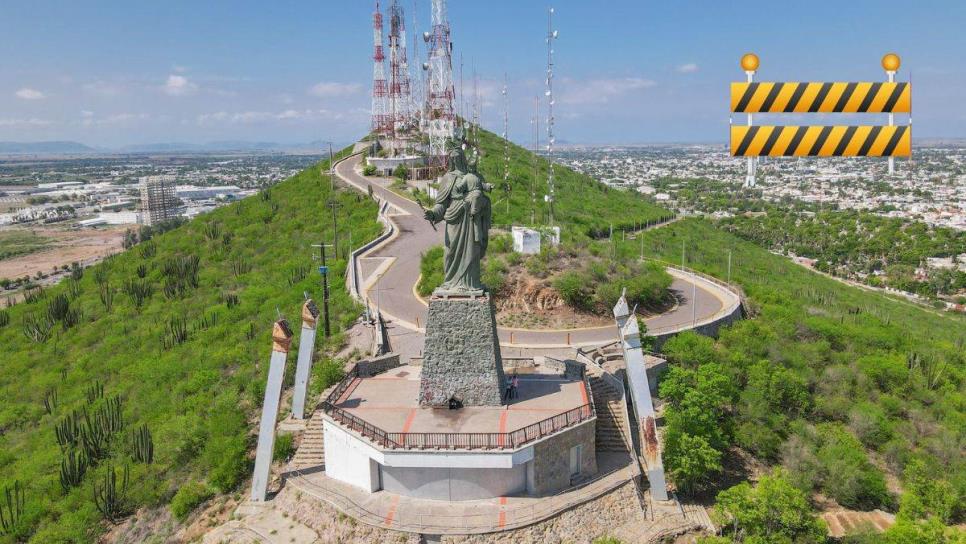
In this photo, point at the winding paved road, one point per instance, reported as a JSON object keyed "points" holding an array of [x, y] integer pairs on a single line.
{"points": [[389, 271]]}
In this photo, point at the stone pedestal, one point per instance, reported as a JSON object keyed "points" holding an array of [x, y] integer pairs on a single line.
{"points": [[461, 358]]}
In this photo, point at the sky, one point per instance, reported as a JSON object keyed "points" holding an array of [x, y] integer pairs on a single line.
{"points": [[114, 73]]}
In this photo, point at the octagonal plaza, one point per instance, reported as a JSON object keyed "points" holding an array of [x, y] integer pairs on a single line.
{"points": [[541, 441]]}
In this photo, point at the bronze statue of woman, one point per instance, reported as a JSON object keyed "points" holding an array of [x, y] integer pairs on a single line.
{"points": [[463, 205]]}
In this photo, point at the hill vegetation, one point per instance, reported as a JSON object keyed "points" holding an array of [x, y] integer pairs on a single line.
{"points": [[842, 387], [584, 207], [141, 376]]}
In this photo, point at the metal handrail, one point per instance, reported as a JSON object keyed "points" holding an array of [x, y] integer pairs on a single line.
{"points": [[470, 441]]}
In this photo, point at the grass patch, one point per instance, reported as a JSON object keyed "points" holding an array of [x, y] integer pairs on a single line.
{"points": [[15, 243]]}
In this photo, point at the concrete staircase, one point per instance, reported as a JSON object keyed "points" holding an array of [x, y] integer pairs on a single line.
{"points": [[611, 419], [311, 451]]}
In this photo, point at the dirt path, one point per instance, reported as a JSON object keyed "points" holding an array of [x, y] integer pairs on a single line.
{"points": [[82, 246]]}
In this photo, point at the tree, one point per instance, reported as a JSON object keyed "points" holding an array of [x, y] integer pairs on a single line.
{"points": [[689, 348], [401, 172], [927, 495], [689, 460], [773, 511]]}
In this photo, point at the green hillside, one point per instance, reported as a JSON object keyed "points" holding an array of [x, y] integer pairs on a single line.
{"points": [[584, 206], [837, 384], [189, 363]]}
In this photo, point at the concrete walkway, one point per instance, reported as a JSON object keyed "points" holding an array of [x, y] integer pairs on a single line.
{"points": [[390, 272]]}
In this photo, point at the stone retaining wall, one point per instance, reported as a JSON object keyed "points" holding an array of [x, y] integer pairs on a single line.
{"points": [[579, 525], [370, 367], [708, 329]]}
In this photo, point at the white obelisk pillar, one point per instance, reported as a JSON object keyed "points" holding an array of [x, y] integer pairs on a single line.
{"points": [[281, 340], [310, 320]]}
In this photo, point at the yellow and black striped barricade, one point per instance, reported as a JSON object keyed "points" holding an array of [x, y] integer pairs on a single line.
{"points": [[820, 141], [838, 97]]}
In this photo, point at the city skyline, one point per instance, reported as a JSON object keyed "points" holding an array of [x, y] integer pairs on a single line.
{"points": [[112, 74]]}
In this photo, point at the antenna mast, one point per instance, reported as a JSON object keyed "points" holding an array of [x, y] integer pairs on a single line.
{"points": [[506, 145], [380, 122], [551, 37], [439, 92]]}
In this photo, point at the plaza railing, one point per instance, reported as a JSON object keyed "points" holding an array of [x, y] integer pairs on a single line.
{"points": [[455, 441]]}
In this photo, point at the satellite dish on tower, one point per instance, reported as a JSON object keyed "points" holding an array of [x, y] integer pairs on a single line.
{"points": [[426, 37]]}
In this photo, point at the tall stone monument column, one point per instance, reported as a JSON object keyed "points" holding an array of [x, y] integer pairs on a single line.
{"points": [[310, 321], [461, 358], [281, 340], [630, 335]]}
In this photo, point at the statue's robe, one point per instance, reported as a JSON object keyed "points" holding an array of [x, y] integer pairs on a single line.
{"points": [[467, 226]]}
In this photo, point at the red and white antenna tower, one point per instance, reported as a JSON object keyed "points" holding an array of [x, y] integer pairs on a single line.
{"points": [[399, 90], [381, 124], [440, 119]]}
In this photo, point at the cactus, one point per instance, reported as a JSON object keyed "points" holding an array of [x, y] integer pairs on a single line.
{"points": [[110, 500], [240, 266], [147, 250], [58, 307], [11, 508], [206, 322], [4, 318], [142, 271], [102, 274], [34, 294], [139, 291], [76, 271], [175, 334], [73, 288], [68, 430], [106, 293], [231, 300], [72, 469], [143, 445], [37, 327], [298, 273], [212, 230], [50, 401], [94, 392], [250, 333], [71, 318], [226, 239]]}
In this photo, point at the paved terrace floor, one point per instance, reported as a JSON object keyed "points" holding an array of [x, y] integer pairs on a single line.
{"points": [[390, 401]]}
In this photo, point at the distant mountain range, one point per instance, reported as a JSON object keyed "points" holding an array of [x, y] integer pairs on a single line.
{"points": [[76, 148], [43, 148]]}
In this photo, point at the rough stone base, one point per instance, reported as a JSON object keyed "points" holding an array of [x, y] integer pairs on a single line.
{"points": [[461, 358]]}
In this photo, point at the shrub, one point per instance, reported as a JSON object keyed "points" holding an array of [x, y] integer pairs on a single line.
{"points": [[188, 497], [284, 447], [847, 475], [330, 372], [431, 269], [771, 511], [369, 170]]}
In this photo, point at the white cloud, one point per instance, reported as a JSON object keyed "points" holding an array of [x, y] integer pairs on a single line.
{"points": [[688, 68], [601, 91], [331, 89], [32, 122], [88, 119], [102, 88], [30, 94], [179, 86], [249, 117]]}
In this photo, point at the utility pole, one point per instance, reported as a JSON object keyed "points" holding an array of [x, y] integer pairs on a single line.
{"points": [[331, 171], [324, 270], [729, 266], [333, 205]]}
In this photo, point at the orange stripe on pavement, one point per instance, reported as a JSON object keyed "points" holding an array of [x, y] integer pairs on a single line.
{"points": [[409, 420], [392, 511], [502, 438], [501, 521], [583, 394], [502, 501]]}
